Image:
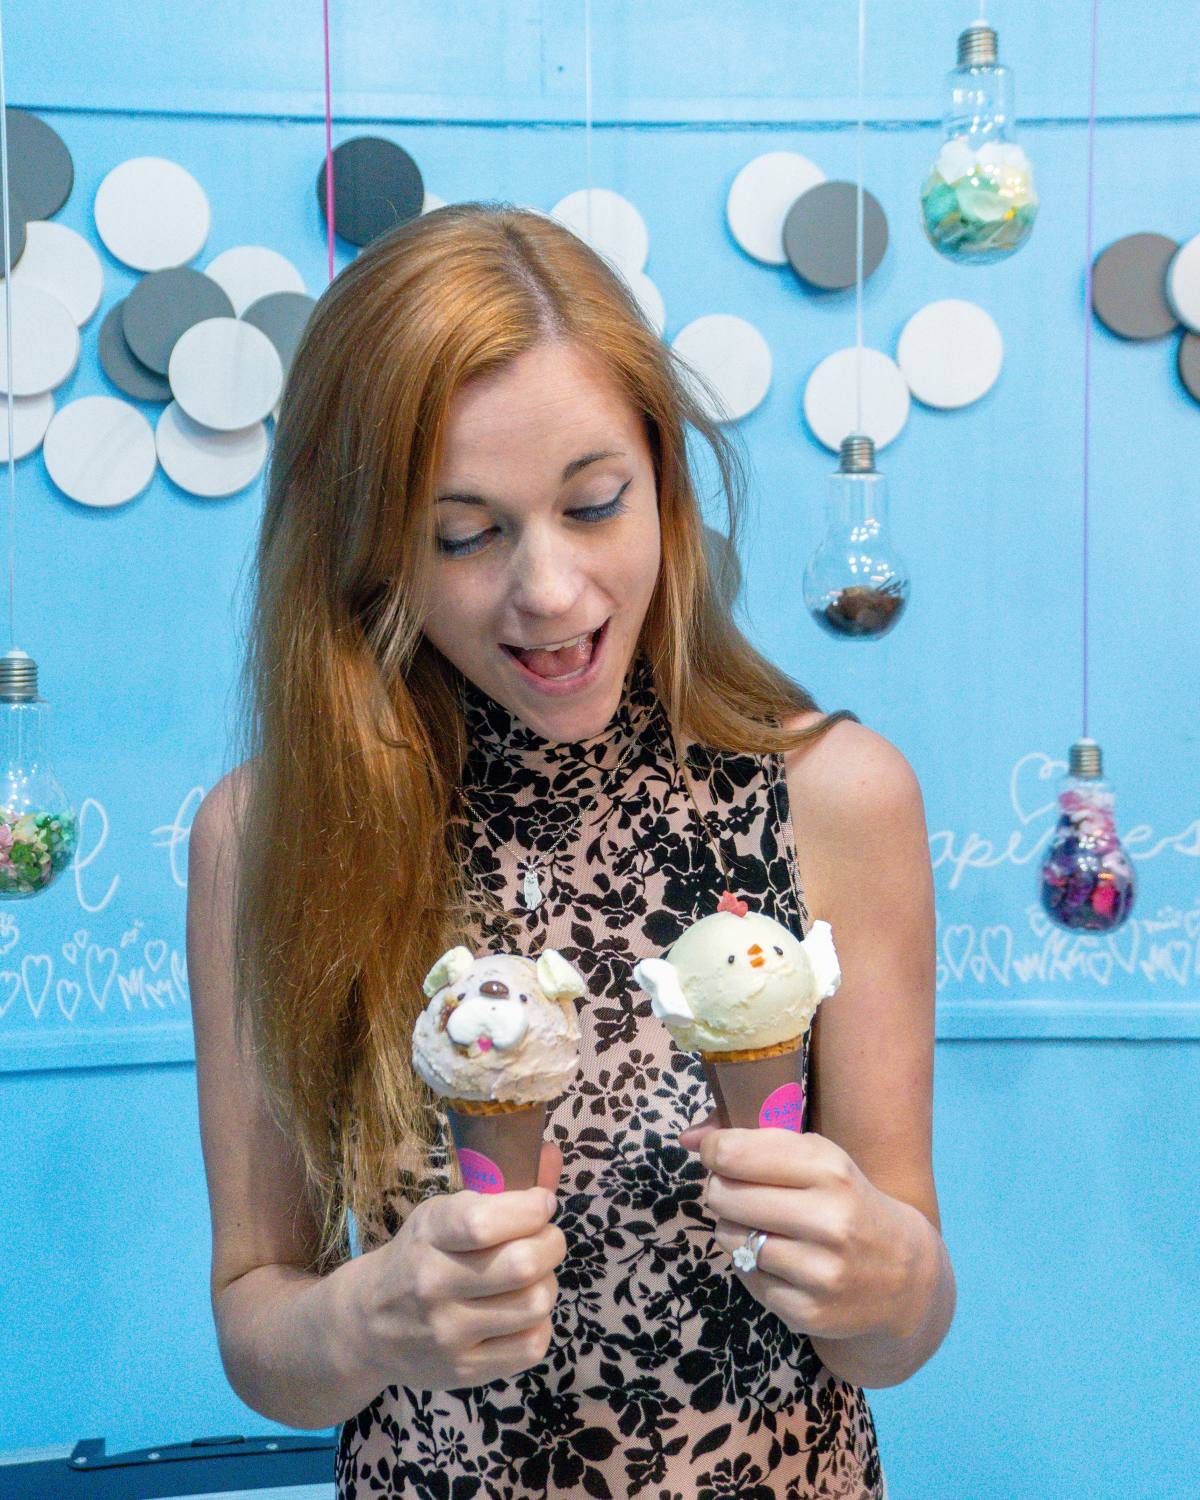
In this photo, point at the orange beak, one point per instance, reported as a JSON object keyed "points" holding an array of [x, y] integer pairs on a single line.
{"points": [[756, 957]]}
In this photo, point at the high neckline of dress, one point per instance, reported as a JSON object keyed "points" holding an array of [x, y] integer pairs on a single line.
{"points": [[497, 734]]}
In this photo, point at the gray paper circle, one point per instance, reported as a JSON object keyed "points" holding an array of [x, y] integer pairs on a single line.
{"points": [[16, 230], [40, 170], [1129, 286], [376, 185], [283, 317], [819, 235], [1189, 364], [122, 366], [163, 306]]}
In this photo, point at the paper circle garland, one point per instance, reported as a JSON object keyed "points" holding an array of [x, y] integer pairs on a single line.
{"points": [[618, 231], [152, 214], [100, 451], [122, 366], [40, 171], [161, 309], [649, 299], [1183, 283], [760, 198], [830, 400], [18, 221], [1188, 361], [207, 463], [283, 317], [1129, 286], [248, 273], [45, 340], [225, 374], [376, 185], [31, 416], [950, 353], [733, 357], [61, 262], [819, 235]]}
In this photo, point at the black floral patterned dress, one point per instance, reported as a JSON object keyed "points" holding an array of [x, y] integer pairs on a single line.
{"points": [[665, 1378]]}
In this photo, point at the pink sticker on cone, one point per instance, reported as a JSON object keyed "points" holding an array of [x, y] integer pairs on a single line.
{"points": [[480, 1173], [783, 1109]]}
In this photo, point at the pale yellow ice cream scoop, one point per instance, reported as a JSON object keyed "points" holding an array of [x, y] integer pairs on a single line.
{"points": [[735, 982]]}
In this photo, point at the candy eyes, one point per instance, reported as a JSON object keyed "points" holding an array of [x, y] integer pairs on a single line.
{"points": [[779, 951], [729, 959], [524, 999]]}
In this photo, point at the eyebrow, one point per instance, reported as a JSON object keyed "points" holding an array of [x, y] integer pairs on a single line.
{"points": [[464, 497]]}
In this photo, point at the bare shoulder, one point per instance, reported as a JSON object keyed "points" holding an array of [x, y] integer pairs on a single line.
{"points": [[214, 826], [847, 787]]}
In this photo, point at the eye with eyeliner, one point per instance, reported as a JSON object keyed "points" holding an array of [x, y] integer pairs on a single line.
{"points": [[588, 514]]}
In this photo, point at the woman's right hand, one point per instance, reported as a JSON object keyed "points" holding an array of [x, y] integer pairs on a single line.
{"points": [[463, 1293]]}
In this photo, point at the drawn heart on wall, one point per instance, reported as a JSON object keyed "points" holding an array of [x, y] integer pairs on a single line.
{"points": [[1100, 967], [11, 982], [996, 944], [957, 943], [68, 990], [70, 952], [1023, 785], [37, 969], [1191, 925], [978, 967], [9, 936], [99, 968], [1131, 938], [1176, 960], [155, 952]]}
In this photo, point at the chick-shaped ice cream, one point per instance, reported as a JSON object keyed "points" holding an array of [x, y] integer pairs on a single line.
{"points": [[500, 1029], [738, 981]]}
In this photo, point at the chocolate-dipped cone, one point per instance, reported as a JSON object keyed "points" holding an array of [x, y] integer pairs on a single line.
{"points": [[499, 1145], [757, 1088]]}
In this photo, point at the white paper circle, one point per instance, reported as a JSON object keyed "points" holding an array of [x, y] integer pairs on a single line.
{"points": [[208, 463], [760, 197], [734, 359], [950, 352], [225, 374], [649, 299], [61, 262], [432, 201], [830, 404], [100, 451], [1183, 283], [31, 416], [45, 340], [248, 272], [618, 231], [152, 214]]}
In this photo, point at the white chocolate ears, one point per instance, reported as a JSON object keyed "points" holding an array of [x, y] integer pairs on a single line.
{"points": [[453, 965], [818, 948], [557, 978], [660, 980]]}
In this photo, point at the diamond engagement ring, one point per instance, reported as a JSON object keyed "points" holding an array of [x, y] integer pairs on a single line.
{"points": [[745, 1257]]}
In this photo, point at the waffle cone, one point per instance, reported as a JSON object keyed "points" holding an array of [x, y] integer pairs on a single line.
{"points": [[491, 1106], [752, 1054], [758, 1086], [499, 1143]]}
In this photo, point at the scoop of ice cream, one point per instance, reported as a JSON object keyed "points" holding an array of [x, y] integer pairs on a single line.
{"points": [[732, 982], [499, 1027]]}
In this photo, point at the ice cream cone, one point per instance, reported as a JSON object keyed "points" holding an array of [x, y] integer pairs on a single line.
{"points": [[499, 1144], [758, 1086]]}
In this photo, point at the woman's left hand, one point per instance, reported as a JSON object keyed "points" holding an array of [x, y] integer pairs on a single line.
{"points": [[840, 1257]]}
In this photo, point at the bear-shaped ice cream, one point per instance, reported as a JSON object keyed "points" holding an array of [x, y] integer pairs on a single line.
{"points": [[739, 980], [499, 1027]]}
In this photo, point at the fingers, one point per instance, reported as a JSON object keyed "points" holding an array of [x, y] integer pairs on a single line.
{"points": [[512, 1267], [780, 1158], [478, 1221], [810, 1215], [690, 1138], [550, 1166], [781, 1262]]}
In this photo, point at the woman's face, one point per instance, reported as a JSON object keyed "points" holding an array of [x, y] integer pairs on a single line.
{"points": [[548, 540]]}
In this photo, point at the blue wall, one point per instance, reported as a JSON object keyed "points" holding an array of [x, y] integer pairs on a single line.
{"points": [[1065, 1097]]}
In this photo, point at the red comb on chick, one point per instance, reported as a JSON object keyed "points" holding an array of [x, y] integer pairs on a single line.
{"points": [[729, 902]]}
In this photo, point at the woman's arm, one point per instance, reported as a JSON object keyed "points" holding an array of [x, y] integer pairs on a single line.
{"points": [[864, 860], [854, 1255]]}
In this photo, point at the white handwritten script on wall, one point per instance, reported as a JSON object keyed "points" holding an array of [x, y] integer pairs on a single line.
{"points": [[97, 976]]}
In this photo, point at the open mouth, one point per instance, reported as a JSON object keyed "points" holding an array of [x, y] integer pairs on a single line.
{"points": [[559, 661]]}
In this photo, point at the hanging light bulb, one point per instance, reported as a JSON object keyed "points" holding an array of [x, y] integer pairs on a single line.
{"points": [[855, 584], [37, 824], [1087, 879], [978, 204]]}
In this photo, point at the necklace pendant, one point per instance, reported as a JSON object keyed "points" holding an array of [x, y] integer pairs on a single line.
{"points": [[531, 889]]}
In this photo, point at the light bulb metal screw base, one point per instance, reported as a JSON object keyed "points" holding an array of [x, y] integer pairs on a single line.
{"points": [[1086, 761], [857, 454], [18, 677], [977, 46]]}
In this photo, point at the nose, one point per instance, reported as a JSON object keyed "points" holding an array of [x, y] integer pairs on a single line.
{"points": [[756, 956], [546, 576]]}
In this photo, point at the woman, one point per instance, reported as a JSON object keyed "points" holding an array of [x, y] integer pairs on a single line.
{"points": [[494, 697]]}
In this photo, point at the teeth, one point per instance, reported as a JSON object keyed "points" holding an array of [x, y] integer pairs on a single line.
{"points": [[574, 641]]}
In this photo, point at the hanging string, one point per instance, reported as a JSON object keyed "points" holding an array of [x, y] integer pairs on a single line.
{"points": [[8, 353], [1087, 338], [587, 108], [858, 225], [328, 141]]}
